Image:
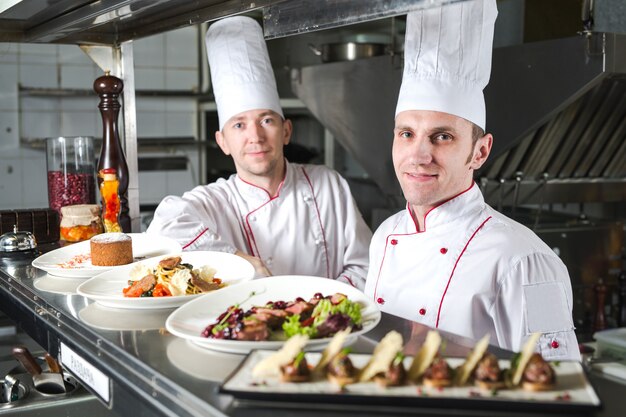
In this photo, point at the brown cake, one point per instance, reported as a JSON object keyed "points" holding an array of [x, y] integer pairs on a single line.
{"points": [[110, 249]]}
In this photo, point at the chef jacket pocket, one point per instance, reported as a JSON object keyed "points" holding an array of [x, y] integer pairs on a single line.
{"points": [[546, 308]]}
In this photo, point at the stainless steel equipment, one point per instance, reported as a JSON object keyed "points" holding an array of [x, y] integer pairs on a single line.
{"points": [[16, 241], [47, 383], [348, 51]]}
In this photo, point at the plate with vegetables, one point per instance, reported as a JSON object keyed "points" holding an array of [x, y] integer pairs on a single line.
{"points": [[263, 313], [167, 281]]}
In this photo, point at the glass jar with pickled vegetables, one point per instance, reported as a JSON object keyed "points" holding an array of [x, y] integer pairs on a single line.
{"points": [[80, 222], [110, 199]]}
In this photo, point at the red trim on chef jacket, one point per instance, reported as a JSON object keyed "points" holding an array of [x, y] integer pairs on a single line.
{"points": [[195, 238], [408, 207], [249, 233], [319, 218], [383, 260], [453, 269], [349, 280], [438, 205]]}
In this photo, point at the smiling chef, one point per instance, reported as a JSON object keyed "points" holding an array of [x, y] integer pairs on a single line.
{"points": [[449, 260], [285, 218]]}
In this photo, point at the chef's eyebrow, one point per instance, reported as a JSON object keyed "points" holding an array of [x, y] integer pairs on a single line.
{"points": [[430, 131], [443, 129], [402, 128], [268, 113]]}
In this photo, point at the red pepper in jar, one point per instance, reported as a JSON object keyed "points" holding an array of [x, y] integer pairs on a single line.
{"points": [[110, 199]]}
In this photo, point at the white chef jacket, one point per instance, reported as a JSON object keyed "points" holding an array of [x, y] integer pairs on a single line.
{"points": [[473, 271], [312, 226]]}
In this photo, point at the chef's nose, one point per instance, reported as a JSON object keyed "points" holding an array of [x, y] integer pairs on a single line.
{"points": [[255, 132], [422, 151]]}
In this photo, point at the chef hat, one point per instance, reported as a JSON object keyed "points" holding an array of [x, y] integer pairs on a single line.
{"points": [[447, 59], [241, 72]]}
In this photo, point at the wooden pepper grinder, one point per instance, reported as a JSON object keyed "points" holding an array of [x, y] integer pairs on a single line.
{"points": [[600, 321], [109, 88]]}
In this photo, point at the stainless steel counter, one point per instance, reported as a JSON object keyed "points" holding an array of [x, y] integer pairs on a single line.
{"points": [[147, 372]]}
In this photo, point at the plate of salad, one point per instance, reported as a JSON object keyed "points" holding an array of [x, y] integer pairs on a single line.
{"points": [[263, 313]]}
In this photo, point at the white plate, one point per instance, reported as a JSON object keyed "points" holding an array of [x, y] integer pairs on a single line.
{"points": [[201, 363], [144, 246], [58, 285], [570, 380], [191, 319], [106, 318], [106, 288]]}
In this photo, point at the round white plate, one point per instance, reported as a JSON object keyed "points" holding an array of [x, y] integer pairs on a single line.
{"points": [[144, 246], [201, 363], [106, 318], [191, 319], [58, 285], [106, 288]]}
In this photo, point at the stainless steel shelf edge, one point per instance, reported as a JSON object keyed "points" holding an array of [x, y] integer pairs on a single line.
{"points": [[131, 380]]}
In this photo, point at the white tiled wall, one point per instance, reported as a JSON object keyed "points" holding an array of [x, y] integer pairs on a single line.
{"points": [[167, 61]]}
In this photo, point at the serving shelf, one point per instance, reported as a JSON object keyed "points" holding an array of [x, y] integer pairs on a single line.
{"points": [[137, 370]]}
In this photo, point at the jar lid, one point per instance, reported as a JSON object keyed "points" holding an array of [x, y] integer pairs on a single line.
{"points": [[79, 215], [17, 241]]}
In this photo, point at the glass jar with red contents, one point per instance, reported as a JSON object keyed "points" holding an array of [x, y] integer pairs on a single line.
{"points": [[71, 171], [80, 222]]}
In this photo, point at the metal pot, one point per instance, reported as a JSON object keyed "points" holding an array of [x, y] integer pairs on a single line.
{"points": [[348, 51]]}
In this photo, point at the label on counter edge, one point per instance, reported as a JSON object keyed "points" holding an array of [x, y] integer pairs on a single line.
{"points": [[87, 373]]}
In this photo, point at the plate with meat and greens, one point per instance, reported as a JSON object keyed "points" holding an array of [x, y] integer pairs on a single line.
{"points": [[167, 281], [263, 313]]}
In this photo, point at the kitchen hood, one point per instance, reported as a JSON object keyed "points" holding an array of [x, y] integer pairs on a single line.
{"points": [[556, 110], [111, 22]]}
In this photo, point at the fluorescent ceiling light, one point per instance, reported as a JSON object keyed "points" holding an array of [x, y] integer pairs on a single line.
{"points": [[7, 4]]}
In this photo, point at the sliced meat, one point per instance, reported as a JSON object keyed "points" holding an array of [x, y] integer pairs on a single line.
{"points": [[273, 318], [204, 285], [170, 263], [301, 307], [337, 298], [341, 366], [253, 330], [438, 370], [488, 369], [293, 372], [394, 376], [538, 370], [139, 287]]}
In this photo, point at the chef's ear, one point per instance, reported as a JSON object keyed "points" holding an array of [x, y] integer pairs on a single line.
{"points": [[482, 148], [287, 130], [222, 142]]}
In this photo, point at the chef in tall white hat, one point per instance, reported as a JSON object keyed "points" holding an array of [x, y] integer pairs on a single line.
{"points": [[286, 218], [449, 260]]}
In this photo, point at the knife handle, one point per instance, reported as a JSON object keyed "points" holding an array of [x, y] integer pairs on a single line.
{"points": [[52, 364], [23, 355]]}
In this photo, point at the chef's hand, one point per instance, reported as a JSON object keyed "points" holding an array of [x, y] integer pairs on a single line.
{"points": [[259, 266]]}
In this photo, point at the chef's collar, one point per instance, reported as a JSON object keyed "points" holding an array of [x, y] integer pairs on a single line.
{"points": [[447, 59], [461, 205], [259, 194], [241, 72]]}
